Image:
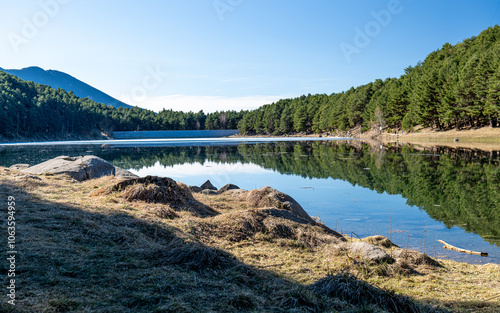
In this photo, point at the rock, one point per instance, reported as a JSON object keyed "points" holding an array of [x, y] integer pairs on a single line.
{"points": [[195, 188], [120, 172], [370, 252], [19, 167], [228, 187], [96, 167], [208, 185], [78, 168], [268, 196], [209, 192]]}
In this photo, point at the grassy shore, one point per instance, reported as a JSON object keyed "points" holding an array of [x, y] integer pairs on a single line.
{"points": [[86, 247], [484, 138]]}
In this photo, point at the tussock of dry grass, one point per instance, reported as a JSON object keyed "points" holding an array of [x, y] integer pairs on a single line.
{"points": [[347, 287], [380, 241], [258, 224], [415, 258], [195, 256], [163, 190]]}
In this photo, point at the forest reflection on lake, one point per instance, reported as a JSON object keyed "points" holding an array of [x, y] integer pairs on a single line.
{"points": [[414, 197]]}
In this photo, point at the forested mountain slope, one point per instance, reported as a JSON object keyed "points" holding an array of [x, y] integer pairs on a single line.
{"points": [[454, 87], [32, 110]]}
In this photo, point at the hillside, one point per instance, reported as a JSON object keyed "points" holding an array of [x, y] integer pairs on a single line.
{"points": [[30, 110], [457, 86], [57, 79]]}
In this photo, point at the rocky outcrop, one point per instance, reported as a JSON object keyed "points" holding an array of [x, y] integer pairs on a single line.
{"points": [[208, 185], [79, 168], [19, 167]]}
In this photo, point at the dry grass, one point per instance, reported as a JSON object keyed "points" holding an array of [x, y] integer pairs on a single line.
{"points": [[484, 138], [88, 247]]}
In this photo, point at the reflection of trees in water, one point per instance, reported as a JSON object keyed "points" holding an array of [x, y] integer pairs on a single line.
{"points": [[459, 187], [456, 186], [380, 157]]}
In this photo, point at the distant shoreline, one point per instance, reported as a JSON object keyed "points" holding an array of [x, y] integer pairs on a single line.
{"points": [[484, 138]]}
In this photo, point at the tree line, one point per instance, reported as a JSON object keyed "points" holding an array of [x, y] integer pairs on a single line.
{"points": [[454, 87], [28, 109]]}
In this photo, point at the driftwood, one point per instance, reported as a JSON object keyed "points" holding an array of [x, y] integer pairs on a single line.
{"points": [[450, 247]]}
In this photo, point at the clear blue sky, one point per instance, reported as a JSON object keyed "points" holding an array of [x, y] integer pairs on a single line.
{"points": [[231, 54]]}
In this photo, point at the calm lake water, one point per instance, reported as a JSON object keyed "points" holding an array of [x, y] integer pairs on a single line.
{"points": [[412, 197]]}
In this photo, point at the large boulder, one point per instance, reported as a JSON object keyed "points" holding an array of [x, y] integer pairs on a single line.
{"points": [[79, 168], [270, 197]]}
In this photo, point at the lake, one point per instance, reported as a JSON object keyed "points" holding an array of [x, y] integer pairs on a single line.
{"points": [[414, 197]]}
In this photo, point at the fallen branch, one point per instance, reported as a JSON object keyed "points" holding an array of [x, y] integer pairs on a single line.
{"points": [[450, 247], [497, 296]]}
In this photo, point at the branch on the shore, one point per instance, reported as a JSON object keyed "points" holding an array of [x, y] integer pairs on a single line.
{"points": [[450, 247]]}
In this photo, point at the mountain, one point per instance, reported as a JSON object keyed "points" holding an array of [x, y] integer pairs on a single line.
{"points": [[57, 79]]}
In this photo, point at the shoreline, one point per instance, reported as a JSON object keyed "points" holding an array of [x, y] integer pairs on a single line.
{"points": [[212, 238], [484, 138]]}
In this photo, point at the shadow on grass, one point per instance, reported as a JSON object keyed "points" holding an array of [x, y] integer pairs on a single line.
{"points": [[70, 260]]}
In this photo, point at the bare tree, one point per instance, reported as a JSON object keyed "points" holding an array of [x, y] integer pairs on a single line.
{"points": [[223, 120], [379, 118]]}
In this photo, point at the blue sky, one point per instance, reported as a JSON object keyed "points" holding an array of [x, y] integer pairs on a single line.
{"points": [[231, 54]]}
